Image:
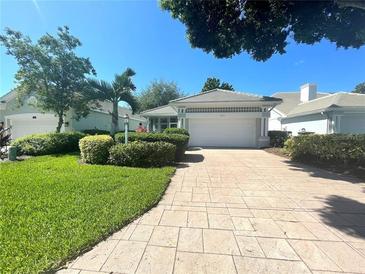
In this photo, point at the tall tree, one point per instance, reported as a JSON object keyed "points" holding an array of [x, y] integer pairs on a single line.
{"points": [[360, 88], [212, 83], [120, 90], [262, 27], [51, 71], [158, 93]]}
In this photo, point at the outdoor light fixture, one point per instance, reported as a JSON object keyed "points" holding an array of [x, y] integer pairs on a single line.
{"points": [[126, 123]]}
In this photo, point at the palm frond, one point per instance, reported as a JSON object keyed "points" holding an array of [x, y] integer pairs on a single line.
{"points": [[123, 82], [103, 90], [130, 99]]}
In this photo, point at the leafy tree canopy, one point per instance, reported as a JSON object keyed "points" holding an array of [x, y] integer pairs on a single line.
{"points": [[212, 83], [158, 93], [262, 27], [51, 71], [120, 90], [360, 88]]}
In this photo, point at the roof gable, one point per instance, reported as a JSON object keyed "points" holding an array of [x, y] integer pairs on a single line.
{"points": [[291, 100], [8, 96], [336, 100], [160, 111], [220, 95]]}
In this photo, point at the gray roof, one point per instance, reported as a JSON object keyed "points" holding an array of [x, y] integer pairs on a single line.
{"points": [[291, 100], [337, 100], [104, 106], [220, 95], [8, 96], [160, 111]]}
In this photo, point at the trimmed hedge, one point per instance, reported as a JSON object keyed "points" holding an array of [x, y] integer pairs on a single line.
{"points": [[179, 140], [306, 133], [278, 137], [176, 131], [49, 143], [338, 149], [95, 149], [142, 154], [101, 131], [96, 132]]}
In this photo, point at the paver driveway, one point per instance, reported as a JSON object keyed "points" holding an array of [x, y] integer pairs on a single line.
{"points": [[242, 211]]}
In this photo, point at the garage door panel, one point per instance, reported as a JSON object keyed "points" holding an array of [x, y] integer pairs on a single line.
{"points": [[222, 132], [352, 124], [27, 125]]}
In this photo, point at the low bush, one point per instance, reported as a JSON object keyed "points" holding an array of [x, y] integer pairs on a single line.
{"points": [[49, 143], [101, 131], [333, 149], [142, 154], [278, 137], [176, 131], [179, 140], [306, 133], [96, 132], [95, 149]]}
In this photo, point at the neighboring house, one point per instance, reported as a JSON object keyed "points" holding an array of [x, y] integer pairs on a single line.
{"points": [[217, 118], [322, 113], [26, 119]]}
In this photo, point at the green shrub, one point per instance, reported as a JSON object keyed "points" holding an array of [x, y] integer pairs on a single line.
{"points": [[142, 154], [278, 137], [179, 140], [306, 133], [101, 131], [96, 132], [49, 143], [337, 149], [171, 130], [95, 149]]}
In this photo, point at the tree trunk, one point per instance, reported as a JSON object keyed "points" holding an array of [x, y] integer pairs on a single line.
{"points": [[115, 116], [60, 122]]}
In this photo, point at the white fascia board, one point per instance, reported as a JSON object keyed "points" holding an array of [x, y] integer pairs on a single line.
{"points": [[278, 112]]}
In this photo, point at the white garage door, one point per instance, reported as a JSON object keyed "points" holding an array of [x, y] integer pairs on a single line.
{"points": [[352, 124], [26, 124], [222, 132]]}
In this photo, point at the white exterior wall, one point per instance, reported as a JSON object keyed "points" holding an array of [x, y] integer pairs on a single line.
{"points": [[311, 123], [99, 120], [274, 121]]}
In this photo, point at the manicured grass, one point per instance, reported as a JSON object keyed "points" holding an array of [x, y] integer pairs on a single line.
{"points": [[51, 207]]}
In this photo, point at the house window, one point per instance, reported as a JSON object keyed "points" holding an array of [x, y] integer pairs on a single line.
{"points": [[173, 122], [154, 124], [163, 123]]}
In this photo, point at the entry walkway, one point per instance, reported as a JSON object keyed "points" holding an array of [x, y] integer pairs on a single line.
{"points": [[241, 211]]}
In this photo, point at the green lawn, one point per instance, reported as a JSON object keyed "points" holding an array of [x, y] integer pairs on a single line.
{"points": [[51, 207]]}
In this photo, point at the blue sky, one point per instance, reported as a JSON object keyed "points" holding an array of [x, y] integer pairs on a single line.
{"points": [[138, 34]]}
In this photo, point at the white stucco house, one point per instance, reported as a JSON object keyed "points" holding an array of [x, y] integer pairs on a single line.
{"points": [[217, 118], [318, 112], [26, 119]]}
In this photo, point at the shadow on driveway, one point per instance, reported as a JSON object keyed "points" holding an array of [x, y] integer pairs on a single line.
{"points": [[319, 172], [190, 158], [345, 214]]}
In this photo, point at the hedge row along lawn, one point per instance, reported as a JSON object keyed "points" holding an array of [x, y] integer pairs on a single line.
{"points": [[51, 207]]}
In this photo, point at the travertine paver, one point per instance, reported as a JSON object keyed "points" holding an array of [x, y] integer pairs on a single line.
{"points": [[241, 211]]}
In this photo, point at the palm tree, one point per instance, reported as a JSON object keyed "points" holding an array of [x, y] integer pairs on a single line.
{"points": [[117, 91]]}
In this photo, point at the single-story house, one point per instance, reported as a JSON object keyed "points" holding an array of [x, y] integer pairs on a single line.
{"points": [[26, 119], [318, 112], [217, 118]]}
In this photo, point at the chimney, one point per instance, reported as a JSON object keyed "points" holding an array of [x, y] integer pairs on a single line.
{"points": [[308, 92]]}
